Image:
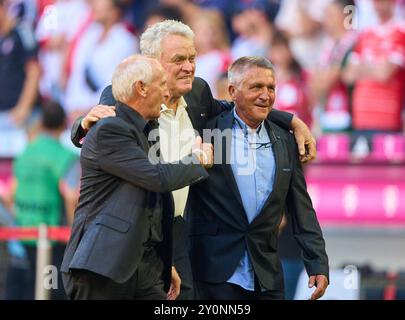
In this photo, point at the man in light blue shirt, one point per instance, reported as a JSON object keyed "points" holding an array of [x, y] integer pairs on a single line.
{"points": [[253, 167], [234, 215]]}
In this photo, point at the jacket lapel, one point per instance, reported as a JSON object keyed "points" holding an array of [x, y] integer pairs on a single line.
{"points": [[225, 122], [277, 151], [198, 115]]}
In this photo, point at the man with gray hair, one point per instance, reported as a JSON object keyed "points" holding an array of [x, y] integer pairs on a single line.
{"points": [[120, 246], [188, 107], [234, 234]]}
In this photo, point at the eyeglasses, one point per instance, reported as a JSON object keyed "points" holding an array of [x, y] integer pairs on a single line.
{"points": [[259, 145], [253, 145]]}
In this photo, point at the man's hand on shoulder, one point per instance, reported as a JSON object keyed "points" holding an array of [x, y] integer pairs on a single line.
{"points": [[96, 113], [305, 140]]}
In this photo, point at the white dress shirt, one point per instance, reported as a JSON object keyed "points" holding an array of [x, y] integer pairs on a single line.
{"points": [[177, 136]]}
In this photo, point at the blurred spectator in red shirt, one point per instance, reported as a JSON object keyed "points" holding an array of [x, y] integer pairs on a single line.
{"points": [[329, 92], [377, 70], [291, 93]]}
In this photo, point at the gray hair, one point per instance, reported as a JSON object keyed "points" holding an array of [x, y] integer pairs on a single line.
{"points": [[132, 69], [151, 39], [241, 65]]}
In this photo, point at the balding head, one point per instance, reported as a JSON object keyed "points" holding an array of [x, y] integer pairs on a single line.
{"points": [[140, 83], [130, 70]]}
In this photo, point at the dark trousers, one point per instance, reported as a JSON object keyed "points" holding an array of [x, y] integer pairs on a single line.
{"points": [[230, 291], [181, 258], [21, 274], [145, 284]]}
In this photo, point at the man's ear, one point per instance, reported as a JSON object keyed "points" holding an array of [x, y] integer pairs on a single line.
{"points": [[140, 88], [232, 91]]}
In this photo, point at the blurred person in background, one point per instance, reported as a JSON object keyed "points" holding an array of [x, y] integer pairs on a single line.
{"points": [[189, 9], [254, 32], [292, 95], [377, 70], [330, 94], [101, 46], [46, 179], [221, 86], [367, 17], [212, 45], [301, 21], [19, 69], [162, 12], [57, 28]]}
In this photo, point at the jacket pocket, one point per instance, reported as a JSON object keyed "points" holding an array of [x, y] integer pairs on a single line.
{"points": [[204, 229], [113, 223]]}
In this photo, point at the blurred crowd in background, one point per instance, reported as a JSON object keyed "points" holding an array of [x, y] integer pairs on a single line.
{"points": [[340, 64]]}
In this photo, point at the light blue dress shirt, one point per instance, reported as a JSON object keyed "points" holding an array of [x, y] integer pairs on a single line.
{"points": [[253, 166]]}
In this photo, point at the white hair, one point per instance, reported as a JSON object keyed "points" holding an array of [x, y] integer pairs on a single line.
{"points": [[237, 70], [151, 39], [132, 69]]}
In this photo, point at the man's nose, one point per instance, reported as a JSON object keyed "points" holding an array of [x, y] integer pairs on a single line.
{"points": [[265, 95], [188, 66]]}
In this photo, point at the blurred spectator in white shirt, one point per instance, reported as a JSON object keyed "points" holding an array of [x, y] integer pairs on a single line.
{"points": [[97, 52], [56, 29], [301, 21]]}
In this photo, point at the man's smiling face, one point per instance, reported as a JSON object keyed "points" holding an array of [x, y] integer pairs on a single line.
{"points": [[254, 96], [178, 59]]}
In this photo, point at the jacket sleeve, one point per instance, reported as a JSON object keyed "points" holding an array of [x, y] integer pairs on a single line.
{"points": [[305, 225], [281, 118], [78, 133], [122, 156]]}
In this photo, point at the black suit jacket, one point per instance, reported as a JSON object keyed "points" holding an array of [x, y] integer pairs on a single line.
{"points": [[122, 198], [220, 231], [201, 106]]}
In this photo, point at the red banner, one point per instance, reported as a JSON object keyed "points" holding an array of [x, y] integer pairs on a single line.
{"points": [[60, 234]]}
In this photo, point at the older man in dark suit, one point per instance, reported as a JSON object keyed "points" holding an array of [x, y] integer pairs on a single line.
{"points": [[120, 246], [234, 215]]}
